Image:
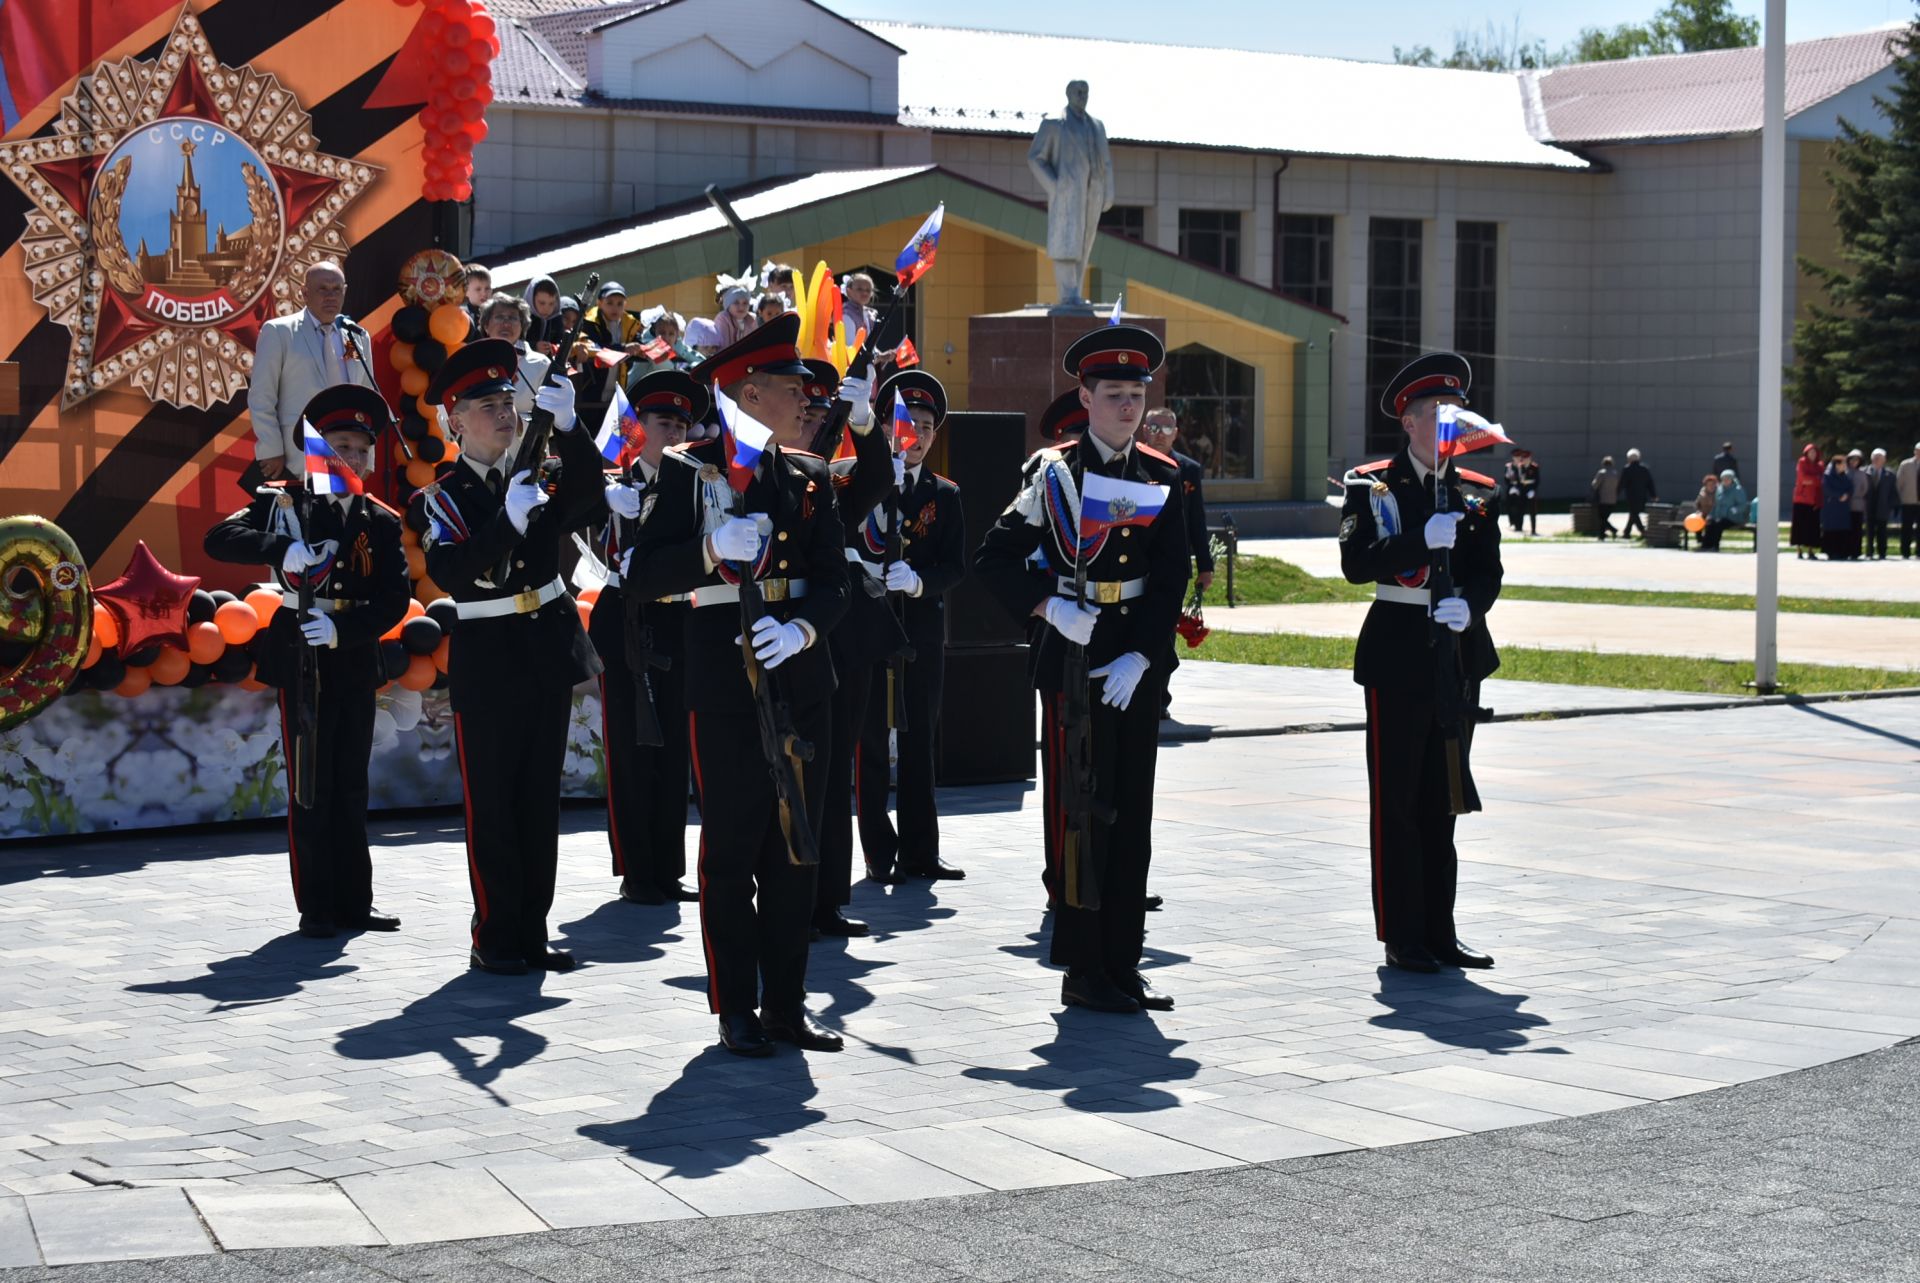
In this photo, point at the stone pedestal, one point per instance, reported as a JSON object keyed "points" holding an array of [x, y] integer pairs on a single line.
{"points": [[1013, 360]]}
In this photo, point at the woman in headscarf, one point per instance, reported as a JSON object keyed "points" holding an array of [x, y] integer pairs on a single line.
{"points": [[1703, 504], [545, 333], [1836, 509], [1729, 505], [1804, 534]]}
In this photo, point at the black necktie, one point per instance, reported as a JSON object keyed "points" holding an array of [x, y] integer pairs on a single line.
{"points": [[496, 482]]}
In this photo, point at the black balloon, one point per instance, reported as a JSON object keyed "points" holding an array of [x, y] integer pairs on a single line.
{"points": [[412, 426], [443, 612], [430, 355], [233, 666], [439, 681], [141, 658], [432, 449], [107, 672], [393, 659], [421, 636], [197, 675], [221, 597], [415, 515], [410, 323], [201, 607]]}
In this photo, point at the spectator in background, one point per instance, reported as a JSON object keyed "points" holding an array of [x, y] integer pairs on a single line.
{"points": [[1704, 503], [735, 319], [610, 325], [479, 290], [1836, 511], [1729, 506], [1530, 488], [1857, 478], [1883, 496], [1907, 483], [1606, 493], [665, 327], [703, 338], [1724, 461], [506, 317], [770, 305], [857, 311], [1636, 492], [545, 333], [569, 314], [1513, 491], [1805, 531]]}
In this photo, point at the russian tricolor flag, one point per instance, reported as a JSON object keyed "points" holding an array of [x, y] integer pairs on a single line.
{"points": [[1460, 431], [917, 257], [327, 472], [621, 433], [1106, 502], [746, 440], [905, 437]]}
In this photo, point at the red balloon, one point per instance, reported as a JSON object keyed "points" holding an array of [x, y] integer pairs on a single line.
{"points": [[481, 24], [432, 23], [471, 109], [149, 602], [463, 191], [457, 35], [477, 129], [465, 87], [455, 62], [484, 94], [462, 143]]}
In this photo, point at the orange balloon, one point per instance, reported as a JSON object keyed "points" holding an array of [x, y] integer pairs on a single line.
{"points": [[420, 474], [134, 683], [413, 381], [400, 356], [93, 652], [252, 683], [428, 410], [420, 673], [1695, 523], [586, 612], [589, 596], [450, 324], [264, 602], [451, 452], [441, 652], [204, 642], [401, 455], [414, 611], [170, 667], [105, 627], [416, 563], [409, 537], [427, 591], [237, 622]]}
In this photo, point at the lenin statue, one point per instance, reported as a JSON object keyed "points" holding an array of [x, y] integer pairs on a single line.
{"points": [[1070, 160]]}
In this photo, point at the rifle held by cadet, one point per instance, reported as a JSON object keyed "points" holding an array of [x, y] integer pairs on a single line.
{"points": [[1079, 786], [304, 751], [532, 454], [782, 747]]}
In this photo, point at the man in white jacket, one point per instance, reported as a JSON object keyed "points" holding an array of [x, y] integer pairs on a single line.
{"points": [[295, 358]]}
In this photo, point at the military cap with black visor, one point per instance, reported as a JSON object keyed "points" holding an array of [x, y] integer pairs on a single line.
{"points": [[1064, 417], [918, 389], [1123, 352]]}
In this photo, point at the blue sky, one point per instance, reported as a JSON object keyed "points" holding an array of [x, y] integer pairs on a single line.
{"points": [[1367, 29]]}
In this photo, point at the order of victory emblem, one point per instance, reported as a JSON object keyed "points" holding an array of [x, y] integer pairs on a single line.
{"points": [[177, 205]]}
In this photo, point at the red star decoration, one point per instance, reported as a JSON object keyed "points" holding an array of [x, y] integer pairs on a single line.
{"points": [[149, 602]]}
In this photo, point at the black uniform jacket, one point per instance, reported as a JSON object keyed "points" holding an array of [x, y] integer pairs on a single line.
{"points": [[934, 535], [1394, 652], [465, 553], [669, 556], [1199, 544], [1155, 552], [870, 631], [370, 567]]}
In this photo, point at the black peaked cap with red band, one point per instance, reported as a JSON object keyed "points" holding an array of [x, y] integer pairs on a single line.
{"points": [[1115, 352], [670, 392], [1435, 374], [916, 388], [823, 383], [478, 369], [348, 405], [1065, 415], [773, 348]]}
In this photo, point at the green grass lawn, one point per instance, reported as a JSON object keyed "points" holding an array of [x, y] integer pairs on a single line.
{"points": [[1567, 667], [1269, 581]]}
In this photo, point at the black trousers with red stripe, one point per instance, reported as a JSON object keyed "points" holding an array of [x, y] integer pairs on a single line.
{"points": [[834, 887], [646, 784], [917, 842], [513, 746], [1126, 749], [327, 850], [1414, 863], [756, 905]]}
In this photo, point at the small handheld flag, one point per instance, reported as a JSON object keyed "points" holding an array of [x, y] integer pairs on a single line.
{"points": [[327, 472], [1106, 502], [1458, 431], [621, 432], [904, 435], [917, 257], [1113, 317], [746, 439], [906, 354], [657, 350], [609, 356]]}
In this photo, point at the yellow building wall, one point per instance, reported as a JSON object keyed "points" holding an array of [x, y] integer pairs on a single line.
{"points": [[1816, 236]]}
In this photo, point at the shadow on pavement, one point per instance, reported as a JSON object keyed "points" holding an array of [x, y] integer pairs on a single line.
{"points": [[1450, 1008], [714, 1115], [621, 932], [280, 968], [1104, 1063], [472, 1005], [1826, 715]]}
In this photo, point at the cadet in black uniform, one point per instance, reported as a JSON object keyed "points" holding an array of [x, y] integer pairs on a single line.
{"points": [[646, 783], [933, 560], [1389, 532], [353, 543], [755, 900], [1136, 581], [518, 649]]}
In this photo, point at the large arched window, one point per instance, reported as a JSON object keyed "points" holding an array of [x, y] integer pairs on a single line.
{"points": [[1213, 395]]}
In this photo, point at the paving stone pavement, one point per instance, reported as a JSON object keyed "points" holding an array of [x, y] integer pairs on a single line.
{"points": [[1678, 901]]}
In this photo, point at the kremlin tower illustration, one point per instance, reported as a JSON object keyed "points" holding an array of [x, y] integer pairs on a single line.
{"points": [[193, 264]]}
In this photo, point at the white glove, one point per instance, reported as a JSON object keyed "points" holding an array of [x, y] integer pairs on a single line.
{"points": [[318, 629], [301, 557], [623, 500], [899, 471], [1123, 677], [1073, 622], [523, 496], [1440, 532], [901, 578], [626, 563], [1454, 613], [738, 540], [556, 398], [858, 394], [774, 643]]}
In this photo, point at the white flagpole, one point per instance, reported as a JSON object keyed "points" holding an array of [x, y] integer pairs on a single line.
{"points": [[1773, 215]]}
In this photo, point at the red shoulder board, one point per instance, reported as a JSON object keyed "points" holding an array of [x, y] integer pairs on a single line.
{"points": [[1478, 478], [1150, 451], [378, 503], [949, 480], [1064, 443], [1375, 466]]}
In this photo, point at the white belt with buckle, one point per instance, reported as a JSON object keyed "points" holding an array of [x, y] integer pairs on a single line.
{"points": [[770, 590], [1402, 594], [1106, 592], [873, 568], [524, 603]]}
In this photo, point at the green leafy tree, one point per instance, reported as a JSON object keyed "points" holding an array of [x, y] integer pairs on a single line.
{"points": [[1855, 373], [1684, 26], [1495, 48]]}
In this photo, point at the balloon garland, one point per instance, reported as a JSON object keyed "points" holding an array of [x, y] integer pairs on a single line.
{"points": [[462, 40]]}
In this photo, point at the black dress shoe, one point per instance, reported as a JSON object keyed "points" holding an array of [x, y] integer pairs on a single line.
{"points": [[838, 924], [371, 920], [1462, 954], [679, 894], [642, 893], [1153, 903], [1096, 993], [1411, 957], [553, 960], [501, 964], [1136, 987], [743, 1035], [885, 877], [801, 1029], [316, 928], [939, 870]]}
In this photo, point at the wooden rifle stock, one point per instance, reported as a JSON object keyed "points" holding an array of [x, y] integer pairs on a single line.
{"points": [[1079, 785], [782, 747]]}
